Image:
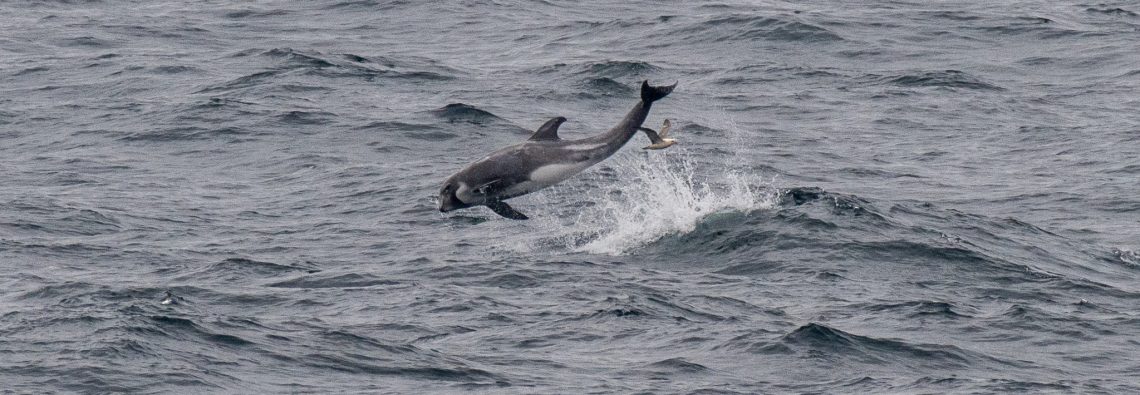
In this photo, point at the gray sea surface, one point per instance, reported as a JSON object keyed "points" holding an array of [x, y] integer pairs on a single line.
{"points": [[866, 197]]}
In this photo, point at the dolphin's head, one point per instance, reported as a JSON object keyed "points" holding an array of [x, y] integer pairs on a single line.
{"points": [[447, 199]]}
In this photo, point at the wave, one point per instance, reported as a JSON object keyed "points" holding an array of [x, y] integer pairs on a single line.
{"points": [[1114, 11], [459, 112], [670, 369], [86, 41], [945, 79], [842, 348], [646, 303], [415, 131], [284, 65], [176, 69], [603, 86], [617, 69], [600, 78], [306, 118], [349, 280], [235, 269], [186, 133], [461, 119], [1039, 27], [44, 217], [735, 223], [754, 27], [251, 13]]}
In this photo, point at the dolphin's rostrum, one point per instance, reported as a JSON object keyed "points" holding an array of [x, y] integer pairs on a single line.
{"points": [[541, 161]]}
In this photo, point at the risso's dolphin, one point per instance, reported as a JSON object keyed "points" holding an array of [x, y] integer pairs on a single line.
{"points": [[541, 161]]}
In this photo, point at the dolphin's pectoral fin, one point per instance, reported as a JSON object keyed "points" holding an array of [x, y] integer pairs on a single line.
{"points": [[549, 130], [505, 210], [486, 188]]}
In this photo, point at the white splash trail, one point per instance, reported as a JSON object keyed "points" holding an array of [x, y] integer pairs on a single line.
{"points": [[633, 200]]}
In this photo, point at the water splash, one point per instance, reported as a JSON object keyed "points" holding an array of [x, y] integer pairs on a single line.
{"points": [[636, 198], [1127, 256]]}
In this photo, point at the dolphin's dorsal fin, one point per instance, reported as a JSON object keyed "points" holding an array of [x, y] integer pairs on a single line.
{"points": [[549, 130]]}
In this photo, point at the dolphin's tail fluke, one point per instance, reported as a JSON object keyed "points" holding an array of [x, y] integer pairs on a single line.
{"points": [[650, 94]]}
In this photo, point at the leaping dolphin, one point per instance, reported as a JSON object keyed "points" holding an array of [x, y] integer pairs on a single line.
{"points": [[541, 161]]}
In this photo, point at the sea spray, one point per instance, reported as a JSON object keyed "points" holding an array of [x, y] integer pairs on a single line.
{"points": [[636, 198]]}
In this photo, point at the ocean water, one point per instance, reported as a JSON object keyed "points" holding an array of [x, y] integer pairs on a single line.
{"points": [[883, 197]]}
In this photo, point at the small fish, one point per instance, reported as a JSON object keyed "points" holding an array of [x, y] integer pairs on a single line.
{"points": [[659, 140]]}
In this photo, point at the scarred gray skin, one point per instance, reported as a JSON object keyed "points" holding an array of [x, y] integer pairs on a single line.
{"points": [[539, 162]]}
